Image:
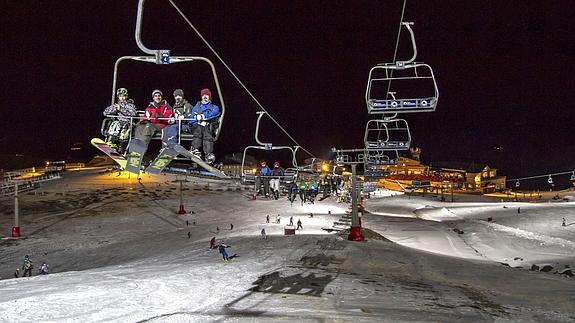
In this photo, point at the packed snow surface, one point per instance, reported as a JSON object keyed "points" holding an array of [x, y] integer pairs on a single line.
{"points": [[118, 252]]}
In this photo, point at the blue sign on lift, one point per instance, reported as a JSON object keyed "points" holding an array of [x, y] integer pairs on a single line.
{"points": [[165, 58]]}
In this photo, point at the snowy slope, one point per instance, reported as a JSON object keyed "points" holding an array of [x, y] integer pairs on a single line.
{"points": [[118, 252]]}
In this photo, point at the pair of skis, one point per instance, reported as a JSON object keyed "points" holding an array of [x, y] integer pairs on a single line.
{"points": [[136, 150]]}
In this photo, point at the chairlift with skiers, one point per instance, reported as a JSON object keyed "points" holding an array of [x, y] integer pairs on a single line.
{"points": [[247, 175]]}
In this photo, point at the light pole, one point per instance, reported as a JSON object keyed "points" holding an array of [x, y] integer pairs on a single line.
{"points": [[355, 231], [16, 228]]}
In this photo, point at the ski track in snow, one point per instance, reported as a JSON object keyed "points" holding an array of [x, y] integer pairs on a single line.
{"points": [[544, 239]]}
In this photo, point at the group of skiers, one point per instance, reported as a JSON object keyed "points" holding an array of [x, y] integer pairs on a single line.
{"points": [[27, 267], [200, 120]]}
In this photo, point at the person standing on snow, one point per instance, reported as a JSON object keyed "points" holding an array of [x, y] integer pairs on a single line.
{"points": [[204, 121], [44, 269], [264, 236], [27, 266], [118, 132], [291, 221], [299, 226], [213, 243], [222, 249], [277, 172]]}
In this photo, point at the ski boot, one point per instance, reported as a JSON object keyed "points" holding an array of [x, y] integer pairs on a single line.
{"points": [[210, 158], [196, 153]]}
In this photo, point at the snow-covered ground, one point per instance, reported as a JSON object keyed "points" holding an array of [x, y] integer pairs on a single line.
{"points": [[119, 252]]}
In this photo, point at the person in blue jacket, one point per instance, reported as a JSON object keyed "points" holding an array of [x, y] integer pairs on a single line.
{"points": [[222, 250], [204, 119], [262, 177]]}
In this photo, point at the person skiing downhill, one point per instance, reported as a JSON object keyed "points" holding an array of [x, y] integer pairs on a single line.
{"points": [[299, 226], [203, 121], [118, 133], [222, 249]]}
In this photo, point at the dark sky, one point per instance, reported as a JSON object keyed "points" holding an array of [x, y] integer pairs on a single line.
{"points": [[505, 71]]}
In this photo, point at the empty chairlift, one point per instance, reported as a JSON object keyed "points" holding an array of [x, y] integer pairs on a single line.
{"points": [[387, 134], [413, 84]]}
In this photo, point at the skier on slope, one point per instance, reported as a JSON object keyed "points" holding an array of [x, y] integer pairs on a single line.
{"points": [[222, 250], [299, 226], [43, 269], [118, 133], [27, 266]]}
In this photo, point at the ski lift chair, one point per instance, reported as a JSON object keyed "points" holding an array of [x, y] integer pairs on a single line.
{"points": [[406, 79], [387, 134], [162, 57], [173, 60], [267, 147]]}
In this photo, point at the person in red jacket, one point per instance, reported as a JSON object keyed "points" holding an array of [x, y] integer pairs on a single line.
{"points": [[157, 116]]}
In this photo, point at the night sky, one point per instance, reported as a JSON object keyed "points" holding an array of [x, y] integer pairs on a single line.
{"points": [[505, 72]]}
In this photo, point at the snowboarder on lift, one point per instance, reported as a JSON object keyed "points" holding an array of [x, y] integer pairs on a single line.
{"points": [[118, 133], [203, 122], [156, 119], [277, 172]]}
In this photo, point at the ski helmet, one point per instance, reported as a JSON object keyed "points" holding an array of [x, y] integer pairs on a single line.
{"points": [[122, 91], [158, 92]]}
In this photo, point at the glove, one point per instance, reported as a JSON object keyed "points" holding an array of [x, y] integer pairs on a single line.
{"points": [[172, 120], [200, 117]]}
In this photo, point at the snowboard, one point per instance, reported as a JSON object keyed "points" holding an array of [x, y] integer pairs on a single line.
{"points": [[136, 150], [165, 156], [109, 151], [216, 172]]}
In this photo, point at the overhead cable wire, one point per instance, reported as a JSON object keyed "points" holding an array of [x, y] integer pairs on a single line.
{"points": [[396, 45], [235, 77], [541, 176]]}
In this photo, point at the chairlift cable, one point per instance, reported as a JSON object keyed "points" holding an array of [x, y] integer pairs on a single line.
{"points": [[539, 176], [237, 78], [396, 45]]}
